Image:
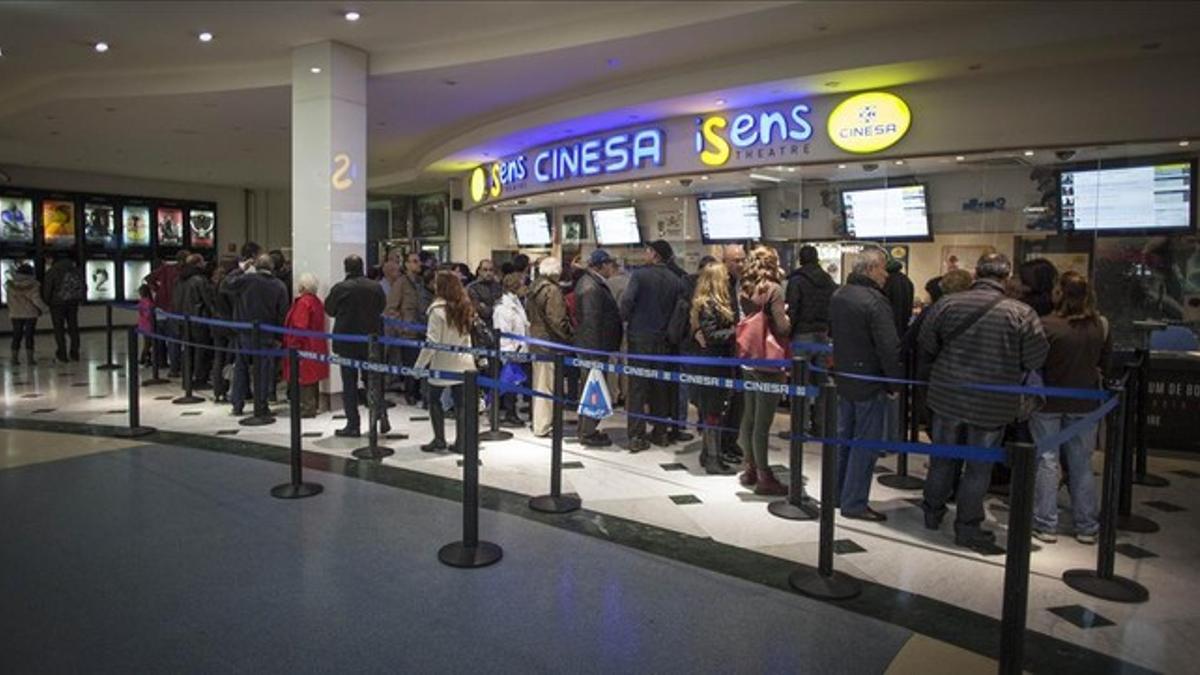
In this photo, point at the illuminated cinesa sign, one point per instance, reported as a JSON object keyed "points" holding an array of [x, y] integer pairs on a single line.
{"points": [[613, 154], [869, 122], [719, 135]]}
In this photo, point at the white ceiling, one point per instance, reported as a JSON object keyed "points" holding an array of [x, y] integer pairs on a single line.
{"points": [[454, 82]]}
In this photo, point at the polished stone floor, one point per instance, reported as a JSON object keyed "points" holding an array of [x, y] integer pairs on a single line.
{"points": [[665, 489]]}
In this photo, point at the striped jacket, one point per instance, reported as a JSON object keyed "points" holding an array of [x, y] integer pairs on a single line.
{"points": [[999, 348]]}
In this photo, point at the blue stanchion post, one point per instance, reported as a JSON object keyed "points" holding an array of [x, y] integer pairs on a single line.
{"points": [[135, 428], [470, 551], [1016, 563], [108, 364], [901, 480], [494, 432], [556, 501], [297, 488], [1141, 475], [824, 582], [188, 353], [797, 506], [1127, 520], [155, 377]]}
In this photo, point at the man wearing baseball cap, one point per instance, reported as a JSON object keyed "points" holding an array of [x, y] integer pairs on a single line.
{"points": [[599, 326]]}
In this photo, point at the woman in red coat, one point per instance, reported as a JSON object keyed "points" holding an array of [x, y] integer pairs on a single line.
{"points": [[307, 313]]}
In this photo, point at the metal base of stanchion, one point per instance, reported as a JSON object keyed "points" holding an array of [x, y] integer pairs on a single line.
{"points": [[109, 366], [552, 504], [134, 432], [807, 510], [459, 554], [1116, 589], [898, 482], [1136, 523], [290, 491], [187, 400], [368, 452], [836, 586], [257, 421], [496, 435], [1150, 480]]}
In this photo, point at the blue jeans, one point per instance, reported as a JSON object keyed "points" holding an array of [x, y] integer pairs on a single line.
{"points": [[242, 384], [859, 420], [1080, 482], [976, 476]]}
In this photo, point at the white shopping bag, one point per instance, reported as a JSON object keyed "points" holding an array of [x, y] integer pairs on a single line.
{"points": [[595, 401]]}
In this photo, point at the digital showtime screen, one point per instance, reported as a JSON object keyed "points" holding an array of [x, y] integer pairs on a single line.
{"points": [[532, 228], [730, 218], [1153, 198], [616, 226], [891, 214]]}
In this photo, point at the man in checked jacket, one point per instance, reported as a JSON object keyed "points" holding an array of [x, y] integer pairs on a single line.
{"points": [[978, 336]]}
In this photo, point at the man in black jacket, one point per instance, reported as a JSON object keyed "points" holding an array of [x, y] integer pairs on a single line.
{"points": [[63, 289], [599, 327], [864, 343], [485, 291], [194, 295], [356, 304], [809, 289], [646, 306], [899, 291], [257, 296]]}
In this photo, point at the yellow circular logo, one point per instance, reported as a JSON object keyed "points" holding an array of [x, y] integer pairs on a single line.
{"points": [[478, 184], [869, 122]]}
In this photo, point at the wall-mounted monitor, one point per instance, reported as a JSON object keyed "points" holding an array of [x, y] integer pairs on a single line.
{"points": [[1150, 197], [617, 226], [136, 230], [532, 228], [16, 219], [58, 222], [101, 280], [729, 218], [886, 214]]}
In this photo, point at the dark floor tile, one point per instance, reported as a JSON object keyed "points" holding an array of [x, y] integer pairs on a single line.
{"points": [[119, 411], [1165, 507], [31, 395], [42, 411], [1186, 473], [396, 437], [1081, 616], [685, 499], [228, 432], [673, 466], [339, 417], [164, 398], [98, 396], [1133, 551], [847, 546], [418, 419], [312, 434], [572, 465], [478, 461], [191, 413], [79, 384]]}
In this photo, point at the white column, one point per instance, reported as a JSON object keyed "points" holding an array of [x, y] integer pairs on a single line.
{"points": [[329, 153]]}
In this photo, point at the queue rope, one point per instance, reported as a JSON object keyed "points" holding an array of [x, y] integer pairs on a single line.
{"points": [[200, 345]]}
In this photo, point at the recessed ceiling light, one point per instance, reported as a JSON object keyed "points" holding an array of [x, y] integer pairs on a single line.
{"points": [[660, 193], [100, 47], [450, 83], [703, 177], [561, 194], [613, 63], [720, 101], [899, 162], [1184, 144], [352, 15], [832, 84], [1029, 153], [959, 158], [841, 166], [791, 169], [315, 70], [205, 36]]}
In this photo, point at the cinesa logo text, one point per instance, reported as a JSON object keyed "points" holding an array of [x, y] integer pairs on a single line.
{"points": [[754, 135]]}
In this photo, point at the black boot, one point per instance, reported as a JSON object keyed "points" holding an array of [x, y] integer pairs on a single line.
{"points": [[712, 455], [29, 357], [437, 420], [16, 358]]}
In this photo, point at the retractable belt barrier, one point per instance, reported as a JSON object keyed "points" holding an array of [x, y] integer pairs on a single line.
{"points": [[228, 350], [374, 367]]}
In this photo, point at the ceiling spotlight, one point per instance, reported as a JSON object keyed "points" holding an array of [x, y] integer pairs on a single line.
{"points": [[205, 36], [660, 193], [960, 158], [613, 63], [352, 15], [841, 166], [832, 84], [703, 177], [315, 70], [1184, 144], [899, 162], [1029, 153], [100, 47], [720, 101]]}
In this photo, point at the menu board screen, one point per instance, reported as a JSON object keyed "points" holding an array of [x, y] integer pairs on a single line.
{"points": [[891, 214], [136, 221], [532, 228], [101, 280], [730, 218], [1145, 198], [16, 219], [616, 227]]}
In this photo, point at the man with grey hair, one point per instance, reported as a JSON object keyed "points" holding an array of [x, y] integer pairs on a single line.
{"points": [[864, 343], [548, 320], [256, 295], [978, 336]]}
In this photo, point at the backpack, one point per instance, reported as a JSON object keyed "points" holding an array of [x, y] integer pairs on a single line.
{"points": [[70, 288]]}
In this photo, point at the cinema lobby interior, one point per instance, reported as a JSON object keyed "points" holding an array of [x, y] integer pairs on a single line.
{"points": [[553, 336]]}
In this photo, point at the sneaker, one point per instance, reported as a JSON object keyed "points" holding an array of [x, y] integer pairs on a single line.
{"points": [[1088, 539], [596, 440], [867, 514], [434, 446], [348, 432], [1045, 536]]}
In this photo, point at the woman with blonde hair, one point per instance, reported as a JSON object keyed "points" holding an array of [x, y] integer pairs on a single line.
{"points": [[448, 322], [760, 291], [713, 322]]}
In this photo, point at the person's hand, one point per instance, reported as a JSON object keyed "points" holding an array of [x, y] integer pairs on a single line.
{"points": [[700, 339]]}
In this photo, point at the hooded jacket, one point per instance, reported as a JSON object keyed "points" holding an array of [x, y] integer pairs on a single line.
{"points": [[809, 290], [24, 297]]}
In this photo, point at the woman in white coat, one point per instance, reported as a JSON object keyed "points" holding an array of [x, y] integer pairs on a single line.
{"points": [[508, 316], [449, 321]]}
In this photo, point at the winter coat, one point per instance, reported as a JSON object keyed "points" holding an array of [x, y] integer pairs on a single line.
{"points": [[898, 289], [256, 296], [484, 294], [770, 301], [194, 295], [719, 336], [809, 289], [355, 304], [162, 284], [307, 313], [24, 297], [547, 312], [56, 283], [404, 304], [599, 318], [1079, 350], [440, 331], [864, 338], [509, 317], [649, 300]]}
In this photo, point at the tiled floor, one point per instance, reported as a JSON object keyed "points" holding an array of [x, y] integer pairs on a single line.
{"points": [[1160, 634]]}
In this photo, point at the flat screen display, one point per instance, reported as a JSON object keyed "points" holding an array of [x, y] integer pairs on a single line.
{"points": [[170, 226], [729, 218], [137, 225], [16, 219], [532, 228], [98, 225], [1156, 197], [203, 223], [891, 214], [617, 226], [58, 222], [135, 271], [101, 280]]}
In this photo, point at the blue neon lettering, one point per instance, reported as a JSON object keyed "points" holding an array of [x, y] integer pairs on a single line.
{"points": [[538, 163], [803, 132], [568, 161], [617, 149], [589, 157], [647, 144], [743, 124], [521, 173], [766, 122]]}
